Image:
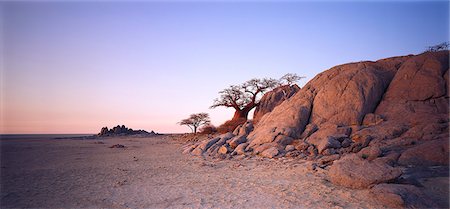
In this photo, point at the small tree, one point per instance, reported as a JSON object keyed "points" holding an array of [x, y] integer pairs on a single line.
{"points": [[439, 47], [290, 79], [195, 121]]}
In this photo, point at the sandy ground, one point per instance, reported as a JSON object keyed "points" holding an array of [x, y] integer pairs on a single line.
{"points": [[153, 173]]}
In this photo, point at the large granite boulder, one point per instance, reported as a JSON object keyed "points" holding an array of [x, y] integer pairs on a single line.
{"points": [[356, 172], [272, 99]]}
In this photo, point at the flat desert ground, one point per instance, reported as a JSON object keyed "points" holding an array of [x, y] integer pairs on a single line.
{"points": [[153, 173]]}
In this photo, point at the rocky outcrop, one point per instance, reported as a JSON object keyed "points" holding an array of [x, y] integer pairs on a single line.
{"points": [[364, 94], [367, 121], [272, 99], [122, 131]]}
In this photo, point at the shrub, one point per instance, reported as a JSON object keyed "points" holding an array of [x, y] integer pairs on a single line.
{"points": [[230, 125], [208, 129]]}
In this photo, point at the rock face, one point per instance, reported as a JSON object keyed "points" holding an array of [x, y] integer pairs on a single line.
{"points": [[410, 90], [122, 131], [272, 99]]}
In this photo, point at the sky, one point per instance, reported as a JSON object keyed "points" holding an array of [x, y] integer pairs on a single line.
{"points": [[74, 67]]}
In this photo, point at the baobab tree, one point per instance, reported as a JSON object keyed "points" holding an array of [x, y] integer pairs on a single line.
{"points": [[195, 121], [244, 97]]}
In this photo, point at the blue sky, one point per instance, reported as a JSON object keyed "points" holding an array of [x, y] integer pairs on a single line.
{"points": [[75, 67]]}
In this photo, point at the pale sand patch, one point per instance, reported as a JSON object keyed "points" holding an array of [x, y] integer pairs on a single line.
{"points": [[153, 173]]}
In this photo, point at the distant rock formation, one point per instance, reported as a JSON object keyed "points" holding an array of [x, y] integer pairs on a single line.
{"points": [[272, 99], [121, 131], [369, 121]]}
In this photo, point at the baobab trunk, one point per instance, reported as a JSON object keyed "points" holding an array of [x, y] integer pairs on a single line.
{"points": [[242, 115]]}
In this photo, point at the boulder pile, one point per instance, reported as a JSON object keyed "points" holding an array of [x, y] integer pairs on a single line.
{"points": [[365, 122]]}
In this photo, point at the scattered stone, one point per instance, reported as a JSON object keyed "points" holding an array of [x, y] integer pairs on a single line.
{"points": [[263, 147], [234, 142], [301, 145], [289, 148], [224, 150], [240, 149], [270, 153], [330, 142], [117, 146]]}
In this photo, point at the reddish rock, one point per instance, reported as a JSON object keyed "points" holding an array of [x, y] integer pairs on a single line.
{"points": [[372, 119], [289, 148], [234, 142], [401, 196], [272, 99], [355, 172], [370, 153], [309, 130], [328, 132], [270, 153], [240, 149], [224, 150], [427, 154], [329, 142], [283, 140], [301, 145]]}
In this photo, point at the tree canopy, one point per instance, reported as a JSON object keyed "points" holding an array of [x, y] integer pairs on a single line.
{"points": [[245, 96]]}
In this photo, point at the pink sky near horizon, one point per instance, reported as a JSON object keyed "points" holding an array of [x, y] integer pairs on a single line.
{"points": [[79, 66]]}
